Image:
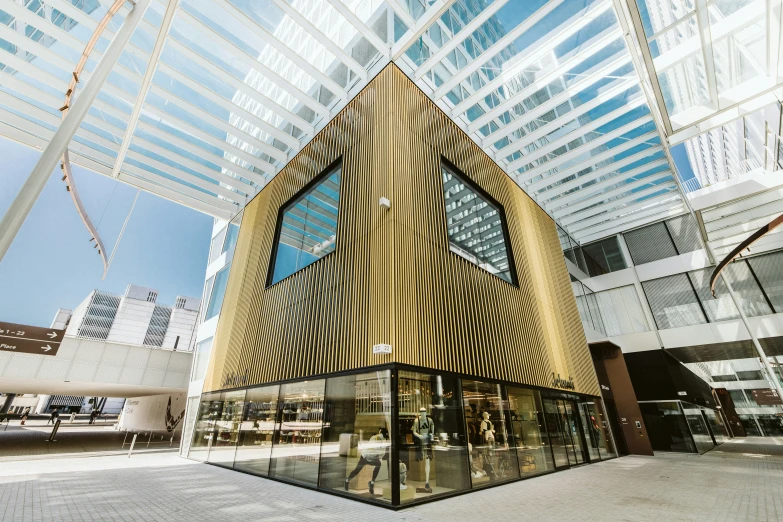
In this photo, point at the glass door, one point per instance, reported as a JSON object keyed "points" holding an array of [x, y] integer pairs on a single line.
{"points": [[568, 412], [557, 434]]}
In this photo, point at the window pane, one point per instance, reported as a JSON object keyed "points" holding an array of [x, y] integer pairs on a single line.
{"points": [[355, 454], [475, 227], [649, 243], [433, 449], [231, 238], [492, 458], [530, 436], [297, 445], [768, 269], [258, 427], [673, 302], [201, 359], [719, 308], [603, 257], [226, 428], [217, 242], [685, 233], [744, 284], [620, 311], [218, 293], [308, 227], [208, 411]]}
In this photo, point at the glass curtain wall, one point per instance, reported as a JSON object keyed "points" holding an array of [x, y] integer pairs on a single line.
{"points": [[529, 431], [488, 426], [698, 426], [451, 435]]}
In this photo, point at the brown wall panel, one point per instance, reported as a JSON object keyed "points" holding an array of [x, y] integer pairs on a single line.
{"points": [[392, 278]]}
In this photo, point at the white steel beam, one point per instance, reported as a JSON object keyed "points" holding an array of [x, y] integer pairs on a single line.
{"points": [[323, 39], [606, 194], [635, 220], [705, 38], [617, 87], [625, 214], [19, 209], [152, 64], [620, 204], [774, 40], [458, 38], [402, 13], [592, 11], [514, 69], [283, 49], [594, 190], [361, 27], [598, 158], [430, 16]]}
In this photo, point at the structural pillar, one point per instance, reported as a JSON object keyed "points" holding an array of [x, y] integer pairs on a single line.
{"points": [[9, 399], [36, 181]]}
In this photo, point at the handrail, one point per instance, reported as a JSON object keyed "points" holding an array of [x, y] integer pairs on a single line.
{"points": [[742, 246]]}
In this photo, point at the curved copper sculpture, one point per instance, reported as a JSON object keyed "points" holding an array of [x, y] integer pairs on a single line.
{"points": [[65, 163], [742, 246]]}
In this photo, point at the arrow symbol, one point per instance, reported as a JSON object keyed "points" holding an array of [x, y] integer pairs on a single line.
{"points": [[46, 348], [52, 335]]}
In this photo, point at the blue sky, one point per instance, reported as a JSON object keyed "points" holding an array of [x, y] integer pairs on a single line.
{"points": [[52, 264]]}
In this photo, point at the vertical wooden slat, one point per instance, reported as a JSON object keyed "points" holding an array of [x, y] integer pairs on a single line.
{"points": [[392, 278]]}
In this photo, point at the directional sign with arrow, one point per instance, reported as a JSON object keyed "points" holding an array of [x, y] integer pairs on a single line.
{"points": [[21, 338]]}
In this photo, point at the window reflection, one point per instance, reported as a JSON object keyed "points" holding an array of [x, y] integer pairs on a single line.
{"points": [[490, 455], [475, 226], [356, 449], [226, 427], [529, 430], [208, 411], [296, 446], [432, 445], [257, 430], [308, 228]]}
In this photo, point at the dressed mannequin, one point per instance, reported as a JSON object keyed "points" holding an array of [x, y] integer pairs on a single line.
{"points": [[423, 429], [372, 456], [487, 431]]}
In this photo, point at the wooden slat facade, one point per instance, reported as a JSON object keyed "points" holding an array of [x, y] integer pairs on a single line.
{"points": [[392, 278]]}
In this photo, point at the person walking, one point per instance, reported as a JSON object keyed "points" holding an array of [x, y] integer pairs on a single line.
{"points": [[93, 416], [53, 417], [25, 415], [73, 417]]}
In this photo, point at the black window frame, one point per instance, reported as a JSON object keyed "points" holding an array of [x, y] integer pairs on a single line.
{"points": [[288, 205], [462, 177]]}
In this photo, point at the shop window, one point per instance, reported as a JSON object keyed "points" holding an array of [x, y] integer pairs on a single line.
{"points": [[476, 226], [218, 293], [491, 456], [529, 432], [296, 445], [431, 436], [226, 428], [209, 410], [307, 227], [356, 448], [254, 450]]}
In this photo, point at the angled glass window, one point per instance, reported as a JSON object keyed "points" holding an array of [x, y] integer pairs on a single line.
{"points": [[307, 226], [476, 226]]}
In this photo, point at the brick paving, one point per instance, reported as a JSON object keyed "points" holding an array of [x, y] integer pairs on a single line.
{"points": [[724, 485]]}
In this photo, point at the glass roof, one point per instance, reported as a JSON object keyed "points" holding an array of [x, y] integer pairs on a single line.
{"points": [[213, 97]]}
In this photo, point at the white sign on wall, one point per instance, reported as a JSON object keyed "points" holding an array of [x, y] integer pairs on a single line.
{"points": [[382, 348]]}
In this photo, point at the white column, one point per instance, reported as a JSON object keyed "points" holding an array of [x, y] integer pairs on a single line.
{"points": [[32, 188]]}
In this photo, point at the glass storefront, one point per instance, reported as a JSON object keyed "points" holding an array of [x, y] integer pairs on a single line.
{"points": [[398, 437], [698, 426], [666, 426]]}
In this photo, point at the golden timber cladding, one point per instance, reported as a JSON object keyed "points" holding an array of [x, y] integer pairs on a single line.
{"points": [[392, 278]]}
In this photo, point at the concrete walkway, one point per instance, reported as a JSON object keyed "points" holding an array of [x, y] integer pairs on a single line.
{"points": [[723, 484]]}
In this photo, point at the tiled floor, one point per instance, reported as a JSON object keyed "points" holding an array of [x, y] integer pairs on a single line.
{"points": [[739, 481]]}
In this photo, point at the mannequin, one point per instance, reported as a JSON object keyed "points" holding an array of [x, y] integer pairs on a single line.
{"points": [[487, 431], [423, 428], [372, 456]]}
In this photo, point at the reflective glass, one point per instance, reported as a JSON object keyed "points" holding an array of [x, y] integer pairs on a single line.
{"points": [[698, 426], [476, 226], [218, 292], [491, 453], [666, 427], [308, 227], [201, 359], [296, 446], [226, 428], [217, 242], [529, 431], [208, 411], [432, 443], [356, 448], [258, 427]]}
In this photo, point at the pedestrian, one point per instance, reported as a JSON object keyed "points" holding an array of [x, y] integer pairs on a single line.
{"points": [[54, 416], [73, 416], [93, 416], [25, 414]]}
